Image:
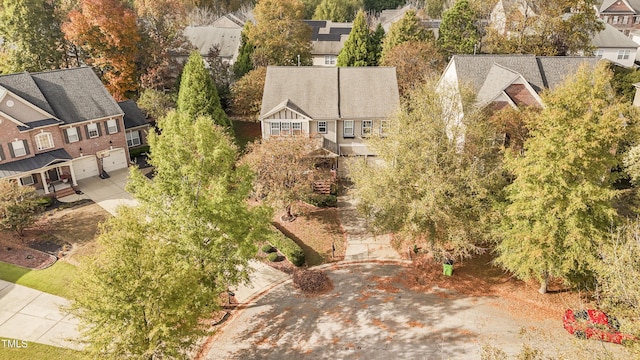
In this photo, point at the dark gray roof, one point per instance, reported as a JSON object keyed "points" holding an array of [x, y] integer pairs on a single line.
{"points": [[133, 116], [326, 93], [39, 123], [76, 94], [323, 30], [33, 163], [540, 72], [22, 84]]}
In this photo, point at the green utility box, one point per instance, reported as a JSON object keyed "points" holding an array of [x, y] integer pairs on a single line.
{"points": [[447, 268]]}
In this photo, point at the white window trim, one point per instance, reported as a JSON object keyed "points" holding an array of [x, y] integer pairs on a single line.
{"points": [[384, 127], [93, 128], [30, 182], [131, 139], [322, 126], [296, 128], [367, 129], [329, 59], [351, 129], [44, 141], [112, 126], [18, 145], [624, 54], [275, 126], [72, 137], [285, 128]]}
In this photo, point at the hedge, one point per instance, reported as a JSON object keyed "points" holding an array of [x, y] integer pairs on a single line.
{"points": [[289, 248]]}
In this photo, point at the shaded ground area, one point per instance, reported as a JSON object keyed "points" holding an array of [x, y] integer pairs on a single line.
{"points": [[66, 233], [246, 132], [371, 314]]}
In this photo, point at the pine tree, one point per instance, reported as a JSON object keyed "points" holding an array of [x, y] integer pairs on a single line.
{"points": [[375, 46], [357, 49], [198, 95], [243, 63], [458, 33]]}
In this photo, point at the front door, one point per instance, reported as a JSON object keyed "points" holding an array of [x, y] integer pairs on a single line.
{"points": [[53, 175]]}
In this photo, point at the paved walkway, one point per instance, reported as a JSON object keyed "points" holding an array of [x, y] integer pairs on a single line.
{"points": [[361, 244], [262, 278], [34, 316]]}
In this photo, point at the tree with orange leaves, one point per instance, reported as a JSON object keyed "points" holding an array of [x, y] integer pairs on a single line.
{"points": [[107, 33]]}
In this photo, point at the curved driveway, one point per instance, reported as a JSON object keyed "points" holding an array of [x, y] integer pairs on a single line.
{"points": [[367, 316]]}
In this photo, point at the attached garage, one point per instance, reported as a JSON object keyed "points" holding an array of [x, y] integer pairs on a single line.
{"points": [[85, 167], [115, 159]]}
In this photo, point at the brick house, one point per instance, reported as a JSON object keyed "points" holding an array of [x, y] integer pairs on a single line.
{"points": [[58, 127], [624, 15]]}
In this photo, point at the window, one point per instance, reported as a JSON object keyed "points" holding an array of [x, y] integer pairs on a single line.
{"points": [[44, 141], [599, 53], [133, 138], [367, 125], [72, 135], [636, 19], [92, 131], [606, 18], [275, 128], [19, 148], [112, 126], [623, 54], [297, 128], [322, 127], [615, 20], [347, 129], [27, 180], [384, 127], [625, 20], [285, 128], [329, 59]]}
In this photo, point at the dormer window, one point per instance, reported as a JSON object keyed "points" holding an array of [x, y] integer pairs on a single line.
{"points": [[44, 141]]}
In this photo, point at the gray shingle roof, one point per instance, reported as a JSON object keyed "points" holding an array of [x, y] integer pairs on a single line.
{"points": [[635, 4], [39, 123], [22, 84], [32, 163], [332, 93], [133, 116], [540, 72], [76, 94], [610, 37], [204, 38]]}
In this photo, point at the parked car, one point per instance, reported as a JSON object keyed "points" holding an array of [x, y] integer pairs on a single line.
{"points": [[594, 324]]}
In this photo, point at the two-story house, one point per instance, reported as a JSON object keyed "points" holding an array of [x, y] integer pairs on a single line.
{"points": [[58, 127], [623, 15], [327, 39], [344, 105]]}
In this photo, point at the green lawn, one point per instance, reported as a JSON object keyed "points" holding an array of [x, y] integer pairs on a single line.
{"points": [[53, 280], [37, 351]]}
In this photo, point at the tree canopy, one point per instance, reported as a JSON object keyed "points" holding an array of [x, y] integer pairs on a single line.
{"points": [[19, 206], [357, 50], [337, 10], [415, 62], [246, 93], [280, 36], [408, 28], [459, 33], [198, 95], [559, 206]]}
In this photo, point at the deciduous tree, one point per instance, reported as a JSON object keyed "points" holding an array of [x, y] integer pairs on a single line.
{"points": [[19, 206], [156, 103], [246, 94], [560, 204], [415, 62], [282, 166], [459, 33], [198, 95], [408, 28], [280, 36], [442, 188], [107, 33], [32, 39], [337, 10]]}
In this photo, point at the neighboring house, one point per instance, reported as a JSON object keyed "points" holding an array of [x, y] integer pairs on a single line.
{"points": [[327, 39], [207, 38], [136, 124], [504, 11], [389, 16], [344, 105], [623, 15], [58, 127], [612, 45], [500, 81]]}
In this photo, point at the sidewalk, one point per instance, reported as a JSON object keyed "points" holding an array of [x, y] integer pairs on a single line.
{"points": [[262, 278], [361, 244], [34, 316]]}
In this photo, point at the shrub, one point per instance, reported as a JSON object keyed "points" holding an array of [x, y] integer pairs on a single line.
{"points": [[267, 248], [133, 153], [312, 281], [273, 256], [289, 248], [321, 200]]}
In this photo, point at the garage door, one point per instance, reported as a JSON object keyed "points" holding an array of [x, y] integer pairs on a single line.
{"points": [[117, 159], [85, 167]]}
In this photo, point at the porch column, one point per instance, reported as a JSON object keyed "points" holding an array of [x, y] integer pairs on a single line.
{"points": [[73, 175], [45, 186]]}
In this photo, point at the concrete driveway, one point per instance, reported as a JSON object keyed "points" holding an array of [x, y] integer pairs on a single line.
{"points": [[367, 316], [108, 193]]}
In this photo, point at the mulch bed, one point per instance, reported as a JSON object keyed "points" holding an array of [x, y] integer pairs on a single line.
{"points": [[25, 257]]}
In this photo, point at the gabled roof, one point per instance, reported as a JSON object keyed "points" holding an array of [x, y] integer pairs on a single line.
{"points": [[204, 38], [611, 37], [39, 123], [634, 5], [71, 95], [36, 162], [287, 104], [539, 71], [327, 93], [133, 116]]}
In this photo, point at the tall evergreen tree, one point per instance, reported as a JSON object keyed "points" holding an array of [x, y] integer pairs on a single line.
{"points": [[357, 48], [243, 63], [458, 33], [375, 45], [32, 39], [560, 204], [198, 95]]}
